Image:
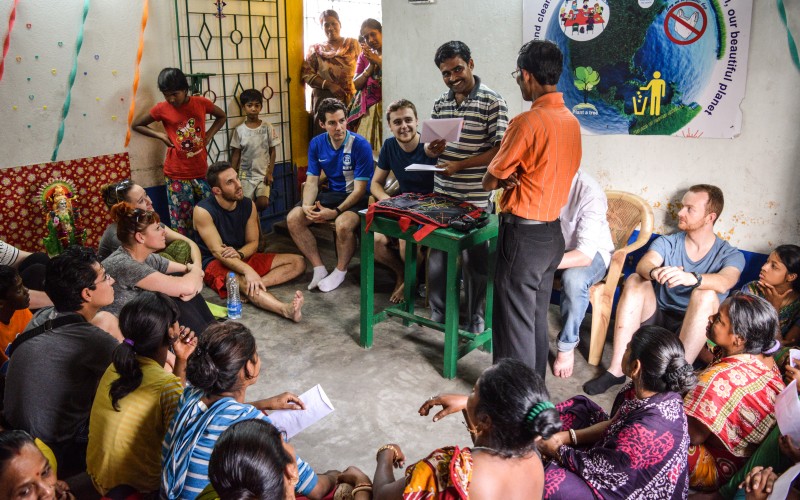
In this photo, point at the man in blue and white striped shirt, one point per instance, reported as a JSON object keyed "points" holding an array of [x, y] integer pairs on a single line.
{"points": [[485, 120]]}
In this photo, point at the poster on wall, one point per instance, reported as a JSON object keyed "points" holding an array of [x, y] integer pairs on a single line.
{"points": [[649, 67]]}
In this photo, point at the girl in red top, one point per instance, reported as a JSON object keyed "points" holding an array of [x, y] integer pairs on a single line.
{"points": [[183, 117]]}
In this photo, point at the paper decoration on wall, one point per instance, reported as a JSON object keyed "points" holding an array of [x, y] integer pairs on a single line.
{"points": [[60, 44], [7, 42], [656, 67], [29, 25], [44, 108], [114, 72], [71, 81], [97, 57], [53, 71], [22, 222], [131, 110], [19, 58]]}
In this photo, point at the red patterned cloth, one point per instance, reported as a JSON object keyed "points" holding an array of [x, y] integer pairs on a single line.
{"points": [[23, 218]]}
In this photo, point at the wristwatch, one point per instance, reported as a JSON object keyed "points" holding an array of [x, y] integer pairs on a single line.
{"points": [[698, 277], [241, 255]]}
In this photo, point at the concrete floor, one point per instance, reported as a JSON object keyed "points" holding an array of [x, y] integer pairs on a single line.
{"points": [[376, 392]]}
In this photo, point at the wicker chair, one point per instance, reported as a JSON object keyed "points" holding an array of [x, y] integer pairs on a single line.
{"points": [[626, 211]]}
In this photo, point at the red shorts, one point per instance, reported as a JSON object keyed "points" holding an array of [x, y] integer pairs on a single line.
{"points": [[216, 272]]}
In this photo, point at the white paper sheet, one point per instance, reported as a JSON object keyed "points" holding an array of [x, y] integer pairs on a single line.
{"points": [[787, 411], [293, 422], [448, 129], [781, 487], [794, 357], [419, 167]]}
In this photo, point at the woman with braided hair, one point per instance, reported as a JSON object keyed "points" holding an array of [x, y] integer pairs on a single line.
{"points": [[638, 452], [506, 413]]}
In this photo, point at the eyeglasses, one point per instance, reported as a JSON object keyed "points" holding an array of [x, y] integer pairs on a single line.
{"points": [[105, 277], [515, 73], [141, 214], [122, 187]]}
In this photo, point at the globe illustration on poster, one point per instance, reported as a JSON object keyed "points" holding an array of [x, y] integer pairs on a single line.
{"points": [[639, 68]]}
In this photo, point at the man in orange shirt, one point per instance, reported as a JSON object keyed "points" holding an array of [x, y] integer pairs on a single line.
{"points": [[14, 312], [539, 156]]}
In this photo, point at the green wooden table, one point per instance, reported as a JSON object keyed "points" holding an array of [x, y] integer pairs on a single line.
{"points": [[452, 243]]}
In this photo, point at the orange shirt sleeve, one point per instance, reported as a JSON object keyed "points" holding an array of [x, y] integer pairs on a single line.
{"points": [[515, 144]]}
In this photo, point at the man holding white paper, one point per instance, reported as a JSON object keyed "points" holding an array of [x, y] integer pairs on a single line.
{"points": [[401, 150], [485, 118]]}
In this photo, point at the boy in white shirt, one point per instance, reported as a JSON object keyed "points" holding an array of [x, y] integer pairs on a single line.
{"points": [[253, 154]]}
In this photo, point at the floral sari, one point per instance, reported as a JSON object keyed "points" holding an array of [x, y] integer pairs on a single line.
{"points": [[445, 474], [642, 453], [735, 400]]}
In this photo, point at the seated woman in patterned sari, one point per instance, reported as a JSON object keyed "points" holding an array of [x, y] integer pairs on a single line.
{"points": [[638, 452], [731, 411], [506, 413]]}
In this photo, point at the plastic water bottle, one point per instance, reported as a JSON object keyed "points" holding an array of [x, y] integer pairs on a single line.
{"points": [[234, 301]]}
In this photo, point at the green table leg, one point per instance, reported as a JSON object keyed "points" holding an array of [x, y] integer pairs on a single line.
{"points": [[490, 291], [451, 317], [410, 278], [367, 285]]}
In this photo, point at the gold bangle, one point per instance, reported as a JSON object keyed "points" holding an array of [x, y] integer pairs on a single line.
{"points": [[359, 489], [387, 447], [573, 437]]}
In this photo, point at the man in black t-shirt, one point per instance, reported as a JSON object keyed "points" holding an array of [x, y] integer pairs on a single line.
{"points": [[227, 229], [52, 377]]}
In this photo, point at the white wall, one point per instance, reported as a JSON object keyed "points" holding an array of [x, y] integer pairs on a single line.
{"points": [[112, 33], [757, 170]]}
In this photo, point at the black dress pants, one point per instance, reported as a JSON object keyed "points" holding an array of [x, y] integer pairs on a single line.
{"points": [[527, 259]]}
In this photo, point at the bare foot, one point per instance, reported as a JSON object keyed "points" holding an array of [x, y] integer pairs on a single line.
{"points": [[397, 294], [563, 365], [294, 311]]}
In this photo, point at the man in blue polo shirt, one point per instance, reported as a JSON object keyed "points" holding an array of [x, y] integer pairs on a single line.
{"points": [[346, 159]]}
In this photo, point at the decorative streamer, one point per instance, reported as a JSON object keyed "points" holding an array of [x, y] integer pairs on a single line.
{"points": [[145, 12], [792, 47], [71, 81], [7, 41]]}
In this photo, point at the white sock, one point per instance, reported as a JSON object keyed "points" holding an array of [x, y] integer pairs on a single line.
{"points": [[332, 281], [319, 273]]}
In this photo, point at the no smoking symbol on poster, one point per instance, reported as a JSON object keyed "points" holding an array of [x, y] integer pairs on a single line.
{"points": [[685, 23]]}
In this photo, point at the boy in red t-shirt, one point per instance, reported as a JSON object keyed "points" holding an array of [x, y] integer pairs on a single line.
{"points": [[14, 312], [183, 117]]}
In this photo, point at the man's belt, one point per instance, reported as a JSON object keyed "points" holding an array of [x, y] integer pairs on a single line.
{"points": [[508, 218]]}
